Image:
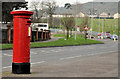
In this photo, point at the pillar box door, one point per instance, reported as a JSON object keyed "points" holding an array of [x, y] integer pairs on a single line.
{"points": [[21, 41]]}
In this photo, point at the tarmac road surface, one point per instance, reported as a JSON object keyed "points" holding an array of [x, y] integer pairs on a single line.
{"points": [[98, 60]]}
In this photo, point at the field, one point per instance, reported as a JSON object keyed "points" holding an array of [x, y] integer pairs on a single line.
{"points": [[108, 25]]}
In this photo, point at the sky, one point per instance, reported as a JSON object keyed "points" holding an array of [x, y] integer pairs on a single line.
{"points": [[62, 2]]}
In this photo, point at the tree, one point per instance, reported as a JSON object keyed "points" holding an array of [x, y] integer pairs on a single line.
{"points": [[69, 6], [84, 22], [68, 23], [56, 22], [7, 7], [72, 27], [35, 6], [50, 7]]}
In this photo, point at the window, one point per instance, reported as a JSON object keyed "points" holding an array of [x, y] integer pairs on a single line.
{"points": [[45, 25], [42, 25]]}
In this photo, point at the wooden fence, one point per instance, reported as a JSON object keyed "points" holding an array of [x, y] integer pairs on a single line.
{"points": [[7, 35]]}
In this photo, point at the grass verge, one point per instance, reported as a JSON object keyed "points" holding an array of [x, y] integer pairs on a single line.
{"points": [[59, 35], [61, 42]]}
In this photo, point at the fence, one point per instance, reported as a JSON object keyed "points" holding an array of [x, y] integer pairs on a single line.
{"points": [[7, 35]]}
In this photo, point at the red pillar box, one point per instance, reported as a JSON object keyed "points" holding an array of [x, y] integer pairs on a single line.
{"points": [[21, 42]]}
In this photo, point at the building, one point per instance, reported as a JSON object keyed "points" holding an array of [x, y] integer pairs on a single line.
{"points": [[116, 16], [62, 15], [81, 14], [103, 15]]}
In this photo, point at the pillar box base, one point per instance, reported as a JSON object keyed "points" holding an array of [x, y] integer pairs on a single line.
{"points": [[21, 68]]}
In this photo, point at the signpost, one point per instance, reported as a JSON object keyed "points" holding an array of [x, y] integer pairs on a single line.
{"points": [[86, 28], [86, 34]]}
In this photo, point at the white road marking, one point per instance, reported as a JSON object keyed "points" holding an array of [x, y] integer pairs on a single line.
{"points": [[31, 64], [70, 57], [42, 51], [7, 55], [56, 51], [38, 62], [86, 55], [51, 51], [7, 67], [33, 53]]}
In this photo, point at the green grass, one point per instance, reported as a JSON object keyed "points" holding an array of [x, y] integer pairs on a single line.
{"points": [[6, 46], [69, 42], [59, 35], [60, 42], [108, 25]]}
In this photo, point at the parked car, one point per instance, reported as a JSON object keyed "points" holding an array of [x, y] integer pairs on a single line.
{"points": [[108, 35], [102, 37], [99, 34], [114, 37]]}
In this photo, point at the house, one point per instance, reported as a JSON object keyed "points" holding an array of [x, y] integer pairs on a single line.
{"points": [[103, 15], [116, 16], [62, 15], [81, 14]]}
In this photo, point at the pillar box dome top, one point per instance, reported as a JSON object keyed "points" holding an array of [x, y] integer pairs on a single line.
{"points": [[22, 12]]}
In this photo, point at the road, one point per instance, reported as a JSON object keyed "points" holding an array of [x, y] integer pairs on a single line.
{"points": [[62, 55]]}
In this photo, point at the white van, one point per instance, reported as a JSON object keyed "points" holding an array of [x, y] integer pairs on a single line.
{"points": [[40, 26]]}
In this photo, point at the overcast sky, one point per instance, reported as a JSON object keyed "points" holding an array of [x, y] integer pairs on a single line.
{"points": [[62, 2]]}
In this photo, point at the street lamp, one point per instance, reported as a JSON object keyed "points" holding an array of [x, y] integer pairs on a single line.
{"points": [[99, 21], [93, 12], [91, 20], [76, 22], [102, 25], [115, 26], [102, 19]]}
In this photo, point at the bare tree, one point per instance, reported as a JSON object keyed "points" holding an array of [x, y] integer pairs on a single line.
{"points": [[35, 6], [50, 7], [56, 22], [72, 27], [68, 22], [84, 22]]}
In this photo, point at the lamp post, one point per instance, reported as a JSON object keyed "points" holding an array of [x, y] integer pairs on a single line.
{"points": [[102, 26], [91, 20], [115, 26], [99, 21], [93, 12], [76, 22], [102, 20]]}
